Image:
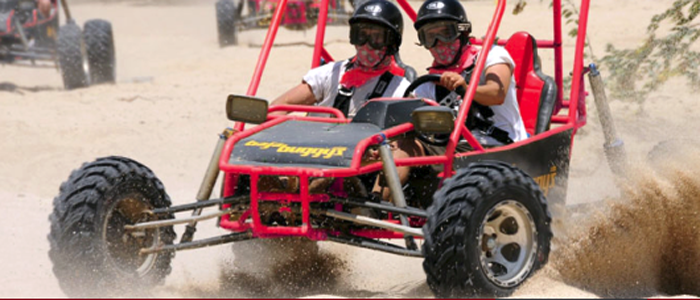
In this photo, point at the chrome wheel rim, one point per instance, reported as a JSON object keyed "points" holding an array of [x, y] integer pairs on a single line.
{"points": [[507, 241], [123, 247]]}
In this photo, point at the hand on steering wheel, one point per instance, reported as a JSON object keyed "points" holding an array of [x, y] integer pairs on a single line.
{"points": [[457, 88], [452, 81]]}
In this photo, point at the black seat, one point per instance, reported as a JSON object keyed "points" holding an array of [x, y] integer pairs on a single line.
{"points": [[409, 72]]}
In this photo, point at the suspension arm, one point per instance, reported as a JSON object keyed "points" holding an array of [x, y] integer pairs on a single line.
{"points": [[411, 211], [237, 200], [218, 240]]}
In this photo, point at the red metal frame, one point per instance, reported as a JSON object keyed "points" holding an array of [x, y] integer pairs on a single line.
{"points": [[320, 34], [574, 119]]}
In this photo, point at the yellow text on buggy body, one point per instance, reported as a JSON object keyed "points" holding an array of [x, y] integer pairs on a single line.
{"points": [[546, 181], [314, 152]]}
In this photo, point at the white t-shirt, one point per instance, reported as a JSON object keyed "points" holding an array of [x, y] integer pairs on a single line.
{"points": [[507, 115], [324, 84]]}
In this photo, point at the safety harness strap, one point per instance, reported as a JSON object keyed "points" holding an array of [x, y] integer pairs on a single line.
{"points": [[344, 96], [342, 99], [487, 128], [381, 86]]}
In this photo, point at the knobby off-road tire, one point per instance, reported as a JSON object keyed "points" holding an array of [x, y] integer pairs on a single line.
{"points": [[226, 23], [71, 58], [488, 230], [99, 42], [92, 254]]}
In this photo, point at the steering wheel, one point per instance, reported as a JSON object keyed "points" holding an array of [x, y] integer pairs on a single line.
{"points": [[433, 139], [430, 78]]}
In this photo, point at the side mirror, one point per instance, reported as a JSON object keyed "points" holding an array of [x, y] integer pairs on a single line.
{"points": [[433, 120], [246, 109]]}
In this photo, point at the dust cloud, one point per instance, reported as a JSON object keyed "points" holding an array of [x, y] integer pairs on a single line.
{"points": [[645, 242]]}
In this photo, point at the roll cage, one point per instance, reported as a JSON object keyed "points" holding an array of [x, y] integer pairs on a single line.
{"points": [[570, 115]]}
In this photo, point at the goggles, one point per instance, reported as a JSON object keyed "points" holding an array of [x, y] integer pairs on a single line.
{"points": [[376, 35], [445, 31]]}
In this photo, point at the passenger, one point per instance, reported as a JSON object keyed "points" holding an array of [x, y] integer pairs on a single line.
{"points": [[375, 31]]}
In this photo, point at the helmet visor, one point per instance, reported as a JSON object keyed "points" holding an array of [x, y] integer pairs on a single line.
{"points": [[376, 35], [445, 31]]}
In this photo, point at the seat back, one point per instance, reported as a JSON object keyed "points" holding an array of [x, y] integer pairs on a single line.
{"points": [[536, 92], [408, 72]]}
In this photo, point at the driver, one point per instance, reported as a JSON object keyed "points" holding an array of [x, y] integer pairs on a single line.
{"points": [[375, 31], [444, 30]]}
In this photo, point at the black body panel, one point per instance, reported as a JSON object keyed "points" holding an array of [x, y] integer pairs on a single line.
{"points": [[302, 143], [387, 114], [546, 161]]}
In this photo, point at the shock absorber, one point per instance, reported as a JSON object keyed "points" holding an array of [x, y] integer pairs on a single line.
{"points": [[614, 146], [392, 179], [207, 183], [69, 17]]}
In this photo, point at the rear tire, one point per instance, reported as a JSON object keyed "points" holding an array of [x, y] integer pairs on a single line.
{"points": [[488, 230], [226, 23], [92, 254], [71, 57], [99, 41]]}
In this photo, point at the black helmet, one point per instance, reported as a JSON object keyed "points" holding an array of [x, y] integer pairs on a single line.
{"points": [[384, 13], [433, 10]]}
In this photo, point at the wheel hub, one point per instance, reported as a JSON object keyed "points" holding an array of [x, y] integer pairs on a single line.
{"points": [[123, 246]]}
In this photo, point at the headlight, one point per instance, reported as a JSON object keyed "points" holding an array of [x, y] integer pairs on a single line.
{"points": [[433, 119]]}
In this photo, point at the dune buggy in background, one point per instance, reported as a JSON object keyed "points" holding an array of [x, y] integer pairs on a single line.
{"points": [[298, 15], [484, 218], [30, 39]]}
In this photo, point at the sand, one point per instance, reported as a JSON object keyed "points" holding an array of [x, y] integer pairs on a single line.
{"points": [[635, 237]]}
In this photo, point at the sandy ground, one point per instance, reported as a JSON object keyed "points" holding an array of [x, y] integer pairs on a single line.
{"points": [[168, 107]]}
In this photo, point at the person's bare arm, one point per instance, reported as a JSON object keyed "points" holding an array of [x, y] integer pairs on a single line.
{"points": [[298, 95], [493, 92], [496, 87]]}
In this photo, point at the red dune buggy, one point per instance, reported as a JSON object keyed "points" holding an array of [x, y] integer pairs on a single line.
{"points": [[29, 38], [484, 220], [298, 15]]}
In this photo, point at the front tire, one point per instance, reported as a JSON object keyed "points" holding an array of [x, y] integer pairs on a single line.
{"points": [[99, 42], [488, 230], [91, 252]]}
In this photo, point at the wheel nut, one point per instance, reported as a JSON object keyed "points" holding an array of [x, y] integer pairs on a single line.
{"points": [[491, 243]]}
